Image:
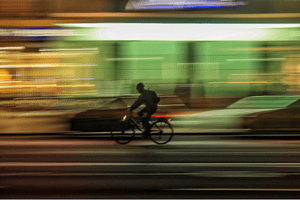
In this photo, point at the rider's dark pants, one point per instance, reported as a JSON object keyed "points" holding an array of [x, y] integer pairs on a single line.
{"points": [[145, 120]]}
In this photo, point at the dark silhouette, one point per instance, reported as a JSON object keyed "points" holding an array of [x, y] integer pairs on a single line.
{"points": [[150, 99]]}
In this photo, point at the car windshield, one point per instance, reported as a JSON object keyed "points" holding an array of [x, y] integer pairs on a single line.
{"points": [[264, 102]]}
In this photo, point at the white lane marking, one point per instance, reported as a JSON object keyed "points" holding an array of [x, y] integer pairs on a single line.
{"points": [[228, 152], [45, 164], [139, 143], [233, 143], [228, 174], [57, 143], [239, 174], [13, 152], [235, 189], [86, 174]]}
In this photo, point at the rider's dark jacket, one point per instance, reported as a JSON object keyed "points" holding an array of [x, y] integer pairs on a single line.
{"points": [[147, 97]]}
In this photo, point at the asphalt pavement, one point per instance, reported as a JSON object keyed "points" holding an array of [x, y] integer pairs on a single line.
{"points": [[199, 166]]}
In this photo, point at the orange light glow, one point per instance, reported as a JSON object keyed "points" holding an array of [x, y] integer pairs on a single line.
{"points": [[182, 115]]}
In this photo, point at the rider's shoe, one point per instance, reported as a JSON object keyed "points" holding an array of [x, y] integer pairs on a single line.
{"points": [[146, 134]]}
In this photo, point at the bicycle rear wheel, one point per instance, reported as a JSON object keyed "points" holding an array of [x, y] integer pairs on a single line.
{"points": [[122, 132], [161, 132]]}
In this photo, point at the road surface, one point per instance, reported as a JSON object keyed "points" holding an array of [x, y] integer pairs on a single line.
{"points": [[192, 166]]}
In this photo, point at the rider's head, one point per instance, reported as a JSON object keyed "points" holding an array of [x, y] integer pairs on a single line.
{"points": [[140, 87]]}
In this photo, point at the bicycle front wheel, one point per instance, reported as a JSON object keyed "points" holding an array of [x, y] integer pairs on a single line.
{"points": [[161, 132], [122, 132]]}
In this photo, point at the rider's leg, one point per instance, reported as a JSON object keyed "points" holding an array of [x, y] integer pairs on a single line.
{"points": [[146, 124], [147, 119]]}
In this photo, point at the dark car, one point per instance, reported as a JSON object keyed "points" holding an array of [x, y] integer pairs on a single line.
{"points": [[102, 119]]}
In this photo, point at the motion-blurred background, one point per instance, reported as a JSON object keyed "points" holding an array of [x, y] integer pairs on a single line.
{"points": [[61, 54], [227, 72]]}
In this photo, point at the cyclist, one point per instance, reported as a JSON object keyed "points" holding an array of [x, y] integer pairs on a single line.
{"points": [[150, 99]]}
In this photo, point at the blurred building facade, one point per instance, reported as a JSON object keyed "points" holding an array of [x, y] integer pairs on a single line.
{"points": [[38, 58], [216, 68], [44, 8]]}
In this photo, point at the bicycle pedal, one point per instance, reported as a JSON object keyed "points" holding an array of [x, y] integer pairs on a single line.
{"points": [[146, 136]]}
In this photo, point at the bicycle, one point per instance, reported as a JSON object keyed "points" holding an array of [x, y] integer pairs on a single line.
{"points": [[124, 131]]}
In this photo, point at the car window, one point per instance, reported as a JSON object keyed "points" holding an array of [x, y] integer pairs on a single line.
{"points": [[264, 102]]}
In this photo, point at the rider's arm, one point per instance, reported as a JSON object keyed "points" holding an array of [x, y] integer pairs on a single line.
{"points": [[137, 103]]}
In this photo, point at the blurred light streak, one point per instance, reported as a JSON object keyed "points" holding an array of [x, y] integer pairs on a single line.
{"points": [[35, 32], [63, 54], [10, 75], [267, 59], [75, 86], [28, 86], [182, 7], [182, 115], [11, 81], [202, 130], [43, 54], [150, 58], [50, 85], [172, 105], [44, 65], [12, 164], [156, 26], [252, 174], [186, 4], [56, 79], [234, 189], [263, 49], [172, 15], [239, 82], [206, 63], [259, 74], [80, 49], [165, 105], [184, 31], [277, 141], [12, 48]]}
